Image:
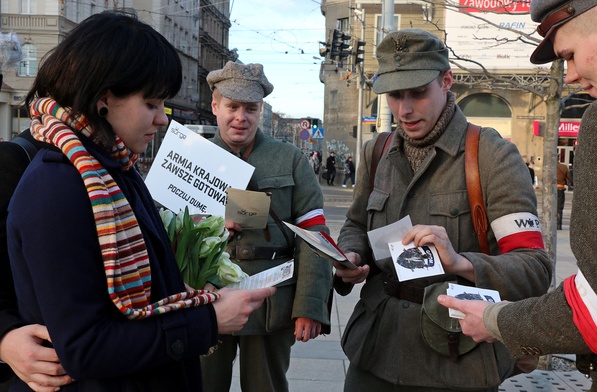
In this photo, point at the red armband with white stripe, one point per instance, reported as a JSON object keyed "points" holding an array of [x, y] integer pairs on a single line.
{"points": [[582, 299], [518, 230], [311, 218]]}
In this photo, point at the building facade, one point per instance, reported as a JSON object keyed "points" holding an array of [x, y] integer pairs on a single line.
{"points": [[510, 101], [198, 29]]}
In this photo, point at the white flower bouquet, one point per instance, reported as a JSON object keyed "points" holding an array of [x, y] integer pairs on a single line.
{"points": [[199, 243]]}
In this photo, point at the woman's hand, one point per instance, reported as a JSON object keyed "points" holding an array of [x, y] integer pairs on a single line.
{"points": [[234, 307]]}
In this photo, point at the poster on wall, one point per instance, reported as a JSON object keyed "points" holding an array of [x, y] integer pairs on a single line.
{"points": [[473, 31]]}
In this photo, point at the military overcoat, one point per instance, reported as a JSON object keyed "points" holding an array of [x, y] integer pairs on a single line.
{"points": [[519, 323], [284, 171], [383, 334]]}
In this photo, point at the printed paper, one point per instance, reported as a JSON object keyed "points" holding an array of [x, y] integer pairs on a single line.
{"points": [[267, 278], [189, 170], [470, 293]]}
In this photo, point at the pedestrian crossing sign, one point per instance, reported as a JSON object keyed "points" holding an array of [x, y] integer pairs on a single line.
{"points": [[318, 134]]}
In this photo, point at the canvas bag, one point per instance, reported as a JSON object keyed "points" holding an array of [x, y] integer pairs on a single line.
{"points": [[440, 331]]}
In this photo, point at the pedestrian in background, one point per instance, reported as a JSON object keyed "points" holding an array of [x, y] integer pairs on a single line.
{"points": [[563, 178], [531, 172], [564, 320], [89, 254], [299, 309], [349, 172], [330, 166], [315, 162], [390, 345]]}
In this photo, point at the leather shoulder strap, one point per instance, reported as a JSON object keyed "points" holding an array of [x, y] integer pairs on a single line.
{"points": [[473, 185], [382, 142]]}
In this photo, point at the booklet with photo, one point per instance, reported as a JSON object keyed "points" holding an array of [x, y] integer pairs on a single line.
{"points": [[322, 244], [413, 262], [469, 292]]}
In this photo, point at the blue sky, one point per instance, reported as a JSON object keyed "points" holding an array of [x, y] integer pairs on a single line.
{"points": [[284, 36]]}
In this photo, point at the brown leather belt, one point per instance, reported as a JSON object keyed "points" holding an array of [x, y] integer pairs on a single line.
{"points": [[403, 290], [243, 252]]}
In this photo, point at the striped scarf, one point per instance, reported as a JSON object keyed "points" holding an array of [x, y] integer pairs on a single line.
{"points": [[126, 262]]}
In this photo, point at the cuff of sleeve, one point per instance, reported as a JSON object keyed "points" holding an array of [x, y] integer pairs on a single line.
{"points": [[490, 316]]}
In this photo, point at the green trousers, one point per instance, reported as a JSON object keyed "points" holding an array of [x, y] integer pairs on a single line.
{"points": [[263, 362]]}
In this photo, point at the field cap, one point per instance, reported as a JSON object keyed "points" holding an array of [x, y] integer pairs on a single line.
{"points": [[240, 82], [551, 14], [409, 58]]}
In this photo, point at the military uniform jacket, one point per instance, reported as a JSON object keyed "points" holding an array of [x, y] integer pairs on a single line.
{"points": [[383, 335], [519, 323], [284, 171]]}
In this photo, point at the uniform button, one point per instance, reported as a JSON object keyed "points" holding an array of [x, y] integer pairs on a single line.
{"points": [[277, 183], [454, 211], [405, 304], [245, 252], [178, 347], [239, 236], [536, 351]]}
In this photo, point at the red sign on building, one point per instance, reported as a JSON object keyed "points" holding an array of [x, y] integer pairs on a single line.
{"points": [[499, 6], [566, 128]]}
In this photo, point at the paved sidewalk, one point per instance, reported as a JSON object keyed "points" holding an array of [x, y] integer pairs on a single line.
{"points": [[320, 365]]}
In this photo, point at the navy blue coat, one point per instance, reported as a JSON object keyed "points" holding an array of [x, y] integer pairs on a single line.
{"points": [[60, 282]]}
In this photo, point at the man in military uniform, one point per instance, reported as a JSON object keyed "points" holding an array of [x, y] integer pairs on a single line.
{"points": [[565, 319], [422, 175], [299, 309]]}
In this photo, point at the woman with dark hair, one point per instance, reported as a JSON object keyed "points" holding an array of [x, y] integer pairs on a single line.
{"points": [[89, 254]]}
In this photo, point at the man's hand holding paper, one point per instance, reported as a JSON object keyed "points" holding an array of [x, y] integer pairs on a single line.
{"points": [[436, 235], [353, 276]]}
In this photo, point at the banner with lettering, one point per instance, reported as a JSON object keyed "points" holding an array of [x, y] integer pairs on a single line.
{"points": [[488, 32], [189, 170]]}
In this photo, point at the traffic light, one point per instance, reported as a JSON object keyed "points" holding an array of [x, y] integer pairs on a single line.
{"points": [[335, 46], [359, 52], [345, 49], [314, 125]]}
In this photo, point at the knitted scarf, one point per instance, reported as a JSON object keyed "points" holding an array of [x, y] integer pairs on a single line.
{"points": [[126, 262], [416, 150]]}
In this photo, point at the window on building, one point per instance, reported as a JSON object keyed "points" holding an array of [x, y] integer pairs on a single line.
{"points": [[379, 33], [28, 66], [485, 105], [342, 25], [574, 106], [28, 6], [488, 110]]}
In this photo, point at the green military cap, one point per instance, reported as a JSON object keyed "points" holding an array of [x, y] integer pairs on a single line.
{"points": [[240, 82], [552, 14], [409, 58]]}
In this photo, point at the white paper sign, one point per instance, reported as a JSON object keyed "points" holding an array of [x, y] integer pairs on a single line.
{"points": [[189, 170]]}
